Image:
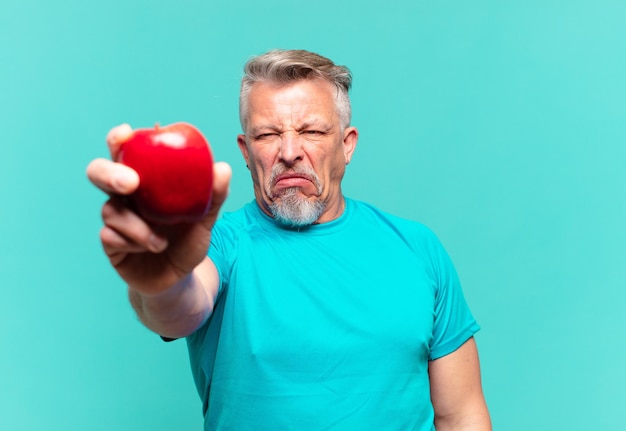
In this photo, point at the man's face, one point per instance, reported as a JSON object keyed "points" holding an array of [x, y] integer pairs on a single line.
{"points": [[296, 150]]}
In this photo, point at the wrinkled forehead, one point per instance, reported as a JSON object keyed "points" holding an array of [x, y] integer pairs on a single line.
{"points": [[316, 86], [312, 99]]}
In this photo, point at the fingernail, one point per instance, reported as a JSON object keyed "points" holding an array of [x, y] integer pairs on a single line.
{"points": [[123, 180], [119, 134]]}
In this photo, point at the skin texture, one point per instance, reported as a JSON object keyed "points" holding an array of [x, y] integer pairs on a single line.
{"points": [[292, 127], [456, 391], [173, 285]]}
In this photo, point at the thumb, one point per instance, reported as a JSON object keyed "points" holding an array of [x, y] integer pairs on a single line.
{"points": [[116, 137], [222, 172]]}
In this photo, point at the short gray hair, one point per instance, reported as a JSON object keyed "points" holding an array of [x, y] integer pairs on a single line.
{"points": [[285, 66]]}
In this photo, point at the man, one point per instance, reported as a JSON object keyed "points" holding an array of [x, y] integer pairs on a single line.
{"points": [[304, 310]]}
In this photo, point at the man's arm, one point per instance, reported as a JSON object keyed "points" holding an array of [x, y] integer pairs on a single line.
{"points": [[456, 391], [181, 309], [172, 283]]}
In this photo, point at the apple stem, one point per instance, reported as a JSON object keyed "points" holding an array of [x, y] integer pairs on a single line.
{"points": [[156, 126]]}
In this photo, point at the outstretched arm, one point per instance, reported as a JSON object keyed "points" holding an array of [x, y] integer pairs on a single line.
{"points": [[172, 284]]}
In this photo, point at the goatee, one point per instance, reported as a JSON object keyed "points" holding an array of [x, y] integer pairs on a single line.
{"points": [[291, 207], [295, 210]]}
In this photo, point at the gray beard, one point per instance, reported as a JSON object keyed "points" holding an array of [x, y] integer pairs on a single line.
{"points": [[295, 210]]}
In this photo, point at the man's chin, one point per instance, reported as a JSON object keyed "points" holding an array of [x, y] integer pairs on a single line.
{"points": [[293, 208]]}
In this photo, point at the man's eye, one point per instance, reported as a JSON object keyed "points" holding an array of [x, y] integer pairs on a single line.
{"points": [[313, 132], [265, 135]]}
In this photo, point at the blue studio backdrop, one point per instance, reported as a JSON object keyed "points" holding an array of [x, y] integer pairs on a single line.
{"points": [[500, 125]]}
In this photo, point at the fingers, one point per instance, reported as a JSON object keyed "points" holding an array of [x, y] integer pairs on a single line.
{"points": [[112, 178], [125, 232], [222, 174], [116, 137]]}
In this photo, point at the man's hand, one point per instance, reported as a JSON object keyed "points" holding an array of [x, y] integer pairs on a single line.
{"points": [[151, 259]]}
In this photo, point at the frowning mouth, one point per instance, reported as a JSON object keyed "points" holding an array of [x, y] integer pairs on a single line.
{"points": [[292, 180], [307, 182]]}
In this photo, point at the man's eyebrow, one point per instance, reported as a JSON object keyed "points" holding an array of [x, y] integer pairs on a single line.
{"points": [[262, 128], [317, 123]]}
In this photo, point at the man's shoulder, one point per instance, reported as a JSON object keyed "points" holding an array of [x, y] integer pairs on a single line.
{"points": [[388, 227], [247, 221], [368, 211], [247, 215], [232, 223]]}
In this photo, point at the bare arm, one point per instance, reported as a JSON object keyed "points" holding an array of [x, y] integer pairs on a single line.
{"points": [[181, 309], [172, 284], [456, 391]]}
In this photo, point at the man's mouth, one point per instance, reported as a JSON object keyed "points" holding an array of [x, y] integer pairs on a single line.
{"points": [[302, 179], [289, 180]]}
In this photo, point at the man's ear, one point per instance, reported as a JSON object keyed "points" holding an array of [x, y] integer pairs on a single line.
{"points": [[350, 138], [243, 147]]}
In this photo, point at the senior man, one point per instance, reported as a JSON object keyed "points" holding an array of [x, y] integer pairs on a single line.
{"points": [[305, 309]]}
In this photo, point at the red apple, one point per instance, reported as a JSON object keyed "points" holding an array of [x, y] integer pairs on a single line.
{"points": [[175, 168]]}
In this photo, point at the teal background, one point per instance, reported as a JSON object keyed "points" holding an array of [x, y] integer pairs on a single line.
{"points": [[501, 125]]}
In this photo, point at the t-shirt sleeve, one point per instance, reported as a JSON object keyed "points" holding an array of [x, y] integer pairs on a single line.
{"points": [[454, 323], [221, 250]]}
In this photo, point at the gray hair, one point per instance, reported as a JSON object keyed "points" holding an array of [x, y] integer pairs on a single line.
{"points": [[286, 66]]}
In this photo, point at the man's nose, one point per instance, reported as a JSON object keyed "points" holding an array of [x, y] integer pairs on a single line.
{"points": [[290, 150]]}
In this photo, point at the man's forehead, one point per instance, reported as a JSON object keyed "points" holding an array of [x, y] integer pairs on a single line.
{"points": [[304, 85], [292, 99]]}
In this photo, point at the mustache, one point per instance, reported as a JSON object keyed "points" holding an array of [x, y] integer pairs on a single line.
{"points": [[304, 171]]}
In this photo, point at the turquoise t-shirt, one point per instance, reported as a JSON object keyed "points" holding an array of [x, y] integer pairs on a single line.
{"points": [[328, 327]]}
